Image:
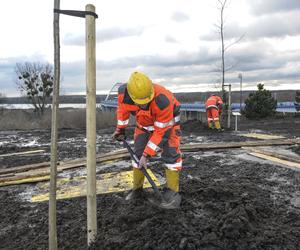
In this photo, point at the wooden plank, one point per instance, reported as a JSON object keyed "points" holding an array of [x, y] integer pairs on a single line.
{"points": [[186, 148], [75, 162], [275, 159], [24, 153], [24, 168], [28, 180], [224, 145], [122, 154], [279, 156], [21, 176], [31, 174], [262, 136]]}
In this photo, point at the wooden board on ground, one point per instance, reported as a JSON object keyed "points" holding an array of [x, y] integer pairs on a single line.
{"points": [[24, 153], [262, 136], [277, 160], [29, 172], [24, 168], [293, 158], [224, 145], [119, 154], [105, 183], [39, 174]]}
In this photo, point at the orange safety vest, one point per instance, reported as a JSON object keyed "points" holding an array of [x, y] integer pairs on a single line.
{"points": [[162, 113], [214, 102]]}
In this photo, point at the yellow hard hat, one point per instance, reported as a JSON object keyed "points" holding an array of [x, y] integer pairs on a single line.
{"points": [[140, 88]]}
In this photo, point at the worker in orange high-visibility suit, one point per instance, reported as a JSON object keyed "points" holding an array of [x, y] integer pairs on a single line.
{"points": [[214, 105], [157, 114]]}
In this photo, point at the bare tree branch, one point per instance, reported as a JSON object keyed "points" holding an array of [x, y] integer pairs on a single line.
{"points": [[222, 5], [235, 42]]}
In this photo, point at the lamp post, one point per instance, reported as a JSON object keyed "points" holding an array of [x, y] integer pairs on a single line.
{"points": [[229, 104], [241, 91]]}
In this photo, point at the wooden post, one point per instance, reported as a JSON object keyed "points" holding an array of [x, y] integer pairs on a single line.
{"points": [[91, 125], [229, 106], [55, 107]]}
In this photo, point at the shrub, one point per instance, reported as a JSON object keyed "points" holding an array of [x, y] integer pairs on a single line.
{"points": [[35, 81], [260, 104]]}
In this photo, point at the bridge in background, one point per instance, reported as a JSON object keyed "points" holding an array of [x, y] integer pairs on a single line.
{"points": [[284, 107], [110, 103]]}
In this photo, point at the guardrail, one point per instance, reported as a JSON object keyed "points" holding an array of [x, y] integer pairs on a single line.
{"points": [[288, 107]]}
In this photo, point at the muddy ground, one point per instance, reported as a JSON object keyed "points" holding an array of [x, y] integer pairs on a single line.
{"points": [[231, 200]]}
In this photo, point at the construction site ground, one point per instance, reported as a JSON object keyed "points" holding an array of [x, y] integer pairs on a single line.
{"points": [[230, 198]]}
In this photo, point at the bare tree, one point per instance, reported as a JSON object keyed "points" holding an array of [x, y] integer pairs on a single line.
{"points": [[35, 81], [222, 5]]}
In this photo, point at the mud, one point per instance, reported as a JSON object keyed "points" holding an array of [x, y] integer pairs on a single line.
{"points": [[230, 199]]}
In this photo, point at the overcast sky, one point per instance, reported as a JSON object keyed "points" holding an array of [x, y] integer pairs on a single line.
{"points": [[175, 42]]}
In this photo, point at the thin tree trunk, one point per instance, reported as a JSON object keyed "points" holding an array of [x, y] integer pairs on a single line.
{"points": [[222, 48], [55, 106]]}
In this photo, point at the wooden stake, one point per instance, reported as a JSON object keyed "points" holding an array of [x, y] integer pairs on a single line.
{"points": [[91, 125], [55, 106]]}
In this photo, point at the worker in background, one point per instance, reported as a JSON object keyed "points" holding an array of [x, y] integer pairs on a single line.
{"points": [[157, 114], [214, 105]]}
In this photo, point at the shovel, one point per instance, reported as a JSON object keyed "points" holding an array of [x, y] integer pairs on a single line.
{"points": [[161, 202]]}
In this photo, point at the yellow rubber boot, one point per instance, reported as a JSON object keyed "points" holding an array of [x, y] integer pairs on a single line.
{"points": [[172, 180], [138, 178], [217, 125], [210, 125]]}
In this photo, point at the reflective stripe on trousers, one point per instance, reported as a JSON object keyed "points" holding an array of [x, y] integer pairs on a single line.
{"points": [[171, 154]]}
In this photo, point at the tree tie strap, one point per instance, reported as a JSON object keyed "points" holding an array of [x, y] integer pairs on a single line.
{"points": [[77, 13]]}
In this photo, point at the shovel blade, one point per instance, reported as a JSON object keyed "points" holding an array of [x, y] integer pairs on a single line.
{"points": [[168, 200]]}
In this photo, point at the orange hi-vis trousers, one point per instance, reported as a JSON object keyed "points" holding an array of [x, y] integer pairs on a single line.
{"points": [[170, 151], [213, 117]]}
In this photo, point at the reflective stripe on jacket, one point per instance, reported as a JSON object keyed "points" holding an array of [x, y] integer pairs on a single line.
{"points": [[214, 102], [162, 113]]}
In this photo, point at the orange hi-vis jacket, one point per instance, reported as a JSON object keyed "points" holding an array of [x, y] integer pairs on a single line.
{"points": [[162, 113], [214, 102]]}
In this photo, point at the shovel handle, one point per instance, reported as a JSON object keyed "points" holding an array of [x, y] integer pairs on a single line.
{"points": [[136, 160]]}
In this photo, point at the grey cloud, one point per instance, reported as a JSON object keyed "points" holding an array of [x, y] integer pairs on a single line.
{"points": [[104, 35], [187, 72], [73, 68], [265, 75], [279, 25], [258, 56], [179, 17], [170, 39], [116, 33], [257, 62], [8, 75], [269, 81], [182, 58], [263, 7]]}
